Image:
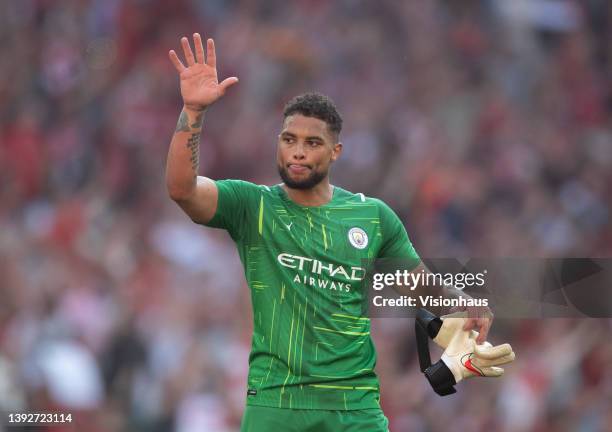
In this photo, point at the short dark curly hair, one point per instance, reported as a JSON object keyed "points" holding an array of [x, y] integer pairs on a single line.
{"points": [[318, 106]]}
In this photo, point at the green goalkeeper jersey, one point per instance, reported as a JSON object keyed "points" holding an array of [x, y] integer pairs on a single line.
{"points": [[311, 346]]}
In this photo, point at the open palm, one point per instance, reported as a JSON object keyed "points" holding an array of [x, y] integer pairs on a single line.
{"points": [[199, 84]]}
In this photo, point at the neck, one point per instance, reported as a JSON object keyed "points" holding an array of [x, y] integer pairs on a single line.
{"points": [[319, 195]]}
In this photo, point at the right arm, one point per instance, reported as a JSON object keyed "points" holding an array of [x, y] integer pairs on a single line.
{"points": [[196, 195]]}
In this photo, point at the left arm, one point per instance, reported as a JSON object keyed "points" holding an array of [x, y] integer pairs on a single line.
{"points": [[480, 318], [396, 244]]}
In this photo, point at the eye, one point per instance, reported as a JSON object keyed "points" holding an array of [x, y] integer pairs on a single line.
{"points": [[313, 143], [288, 140]]}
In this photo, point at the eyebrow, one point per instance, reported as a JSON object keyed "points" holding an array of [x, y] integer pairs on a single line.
{"points": [[312, 137]]}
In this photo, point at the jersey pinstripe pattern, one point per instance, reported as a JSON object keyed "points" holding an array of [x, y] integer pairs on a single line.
{"points": [[311, 346]]}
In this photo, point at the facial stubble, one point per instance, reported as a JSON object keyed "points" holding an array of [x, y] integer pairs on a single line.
{"points": [[309, 182]]}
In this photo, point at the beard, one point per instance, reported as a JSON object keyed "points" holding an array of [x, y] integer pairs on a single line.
{"points": [[313, 179]]}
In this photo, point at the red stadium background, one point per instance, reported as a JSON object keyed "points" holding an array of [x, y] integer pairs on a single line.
{"points": [[485, 124]]}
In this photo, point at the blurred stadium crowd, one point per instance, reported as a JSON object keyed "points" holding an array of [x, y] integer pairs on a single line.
{"points": [[485, 124]]}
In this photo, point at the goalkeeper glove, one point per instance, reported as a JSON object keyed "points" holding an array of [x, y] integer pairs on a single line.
{"points": [[462, 357]]}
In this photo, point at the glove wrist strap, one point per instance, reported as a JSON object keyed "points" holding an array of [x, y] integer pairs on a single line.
{"points": [[441, 378]]}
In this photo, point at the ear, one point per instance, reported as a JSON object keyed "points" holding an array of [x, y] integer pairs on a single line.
{"points": [[336, 151]]}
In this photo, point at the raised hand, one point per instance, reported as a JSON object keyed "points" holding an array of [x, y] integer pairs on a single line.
{"points": [[199, 84]]}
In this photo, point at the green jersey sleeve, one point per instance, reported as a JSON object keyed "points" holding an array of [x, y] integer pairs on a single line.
{"points": [[236, 205], [396, 243]]}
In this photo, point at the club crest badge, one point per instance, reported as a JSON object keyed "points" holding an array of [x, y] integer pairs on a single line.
{"points": [[358, 238]]}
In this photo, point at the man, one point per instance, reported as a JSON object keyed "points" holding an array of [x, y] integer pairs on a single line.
{"points": [[301, 243]]}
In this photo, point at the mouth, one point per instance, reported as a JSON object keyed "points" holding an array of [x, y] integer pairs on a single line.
{"points": [[297, 168]]}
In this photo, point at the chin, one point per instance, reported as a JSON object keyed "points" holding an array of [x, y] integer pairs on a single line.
{"points": [[299, 184], [302, 182]]}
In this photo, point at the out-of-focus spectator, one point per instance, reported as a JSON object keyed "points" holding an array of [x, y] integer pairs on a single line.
{"points": [[485, 123]]}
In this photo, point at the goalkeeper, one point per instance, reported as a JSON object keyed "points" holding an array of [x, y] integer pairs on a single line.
{"points": [[301, 243]]}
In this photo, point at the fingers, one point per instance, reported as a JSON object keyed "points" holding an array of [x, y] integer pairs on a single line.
{"points": [[489, 353], [480, 323], [178, 65], [471, 323], [484, 326], [492, 371], [227, 83], [211, 57], [199, 48], [503, 360], [495, 362], [486, 344], [187, 51]]}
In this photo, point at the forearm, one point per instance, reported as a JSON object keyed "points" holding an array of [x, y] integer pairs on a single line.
{"points": [[447, 292], [424, 288], [182, 164]]}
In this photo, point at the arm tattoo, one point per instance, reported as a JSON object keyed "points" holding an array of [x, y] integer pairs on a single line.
{"points": [[198, 121], [193, 144], [183, 123]]}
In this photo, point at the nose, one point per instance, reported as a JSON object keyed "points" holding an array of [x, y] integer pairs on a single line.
{"points": [[298, 151]]}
